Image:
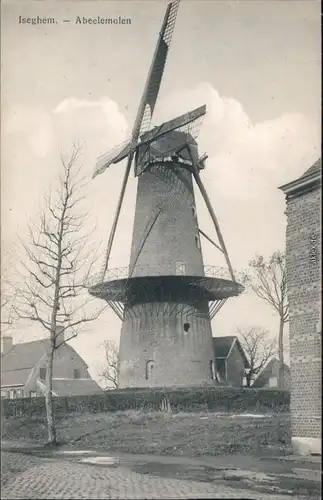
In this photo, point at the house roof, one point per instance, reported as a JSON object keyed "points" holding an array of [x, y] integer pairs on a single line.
{"points": [[14, 378], [75, 387], [266, 373], [17, 363], [310, 178], [223, 345], [313, 170]]}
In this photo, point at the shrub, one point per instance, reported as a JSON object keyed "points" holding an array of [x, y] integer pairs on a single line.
{"points": [[181, 399]]}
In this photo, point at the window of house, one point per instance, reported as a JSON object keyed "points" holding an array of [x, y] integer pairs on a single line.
{"points": [[32, 394], [42, 373], [273, 382], [77, 373], [186, 327], [5, 394], [197, 241], [180, 268], [19, 393]]}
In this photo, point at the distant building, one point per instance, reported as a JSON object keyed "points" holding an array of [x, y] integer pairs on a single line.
{"points": [[268, 377], [23, 370], [303, 261], [230, 360]]}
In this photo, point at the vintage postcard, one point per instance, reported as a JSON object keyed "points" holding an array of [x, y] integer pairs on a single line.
{"points": [[161, 249]]}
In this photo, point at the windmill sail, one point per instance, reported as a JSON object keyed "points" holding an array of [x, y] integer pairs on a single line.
{"points": [[145, 110], [150, 93], [171, 125], [113, 156]]}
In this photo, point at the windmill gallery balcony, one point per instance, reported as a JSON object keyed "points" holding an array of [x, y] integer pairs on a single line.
{"points": [[118, 273], [119, 283]]}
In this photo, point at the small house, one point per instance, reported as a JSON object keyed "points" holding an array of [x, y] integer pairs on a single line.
{"points": [[269, 376], [23, 370], [230, 360]]}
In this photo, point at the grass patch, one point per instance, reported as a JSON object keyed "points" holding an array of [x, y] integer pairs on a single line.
{"points": [[188, 434]]}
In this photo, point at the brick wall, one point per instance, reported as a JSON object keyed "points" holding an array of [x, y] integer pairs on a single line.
{"points": [[172, 237], [303, 256]]}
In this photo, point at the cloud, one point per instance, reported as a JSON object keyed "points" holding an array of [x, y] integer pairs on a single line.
{"points": [[34, 129], [114, 118], [246, 159], [99, 125]]}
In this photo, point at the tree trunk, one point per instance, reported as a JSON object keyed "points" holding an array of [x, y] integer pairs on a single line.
{"points": [[49, 399], [281, 355]]}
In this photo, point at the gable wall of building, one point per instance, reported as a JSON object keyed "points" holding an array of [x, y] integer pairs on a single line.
{"points": [[235, 367], [65, 362]]}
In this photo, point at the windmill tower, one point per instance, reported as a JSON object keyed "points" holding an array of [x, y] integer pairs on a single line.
{"points": [[166, 298]]}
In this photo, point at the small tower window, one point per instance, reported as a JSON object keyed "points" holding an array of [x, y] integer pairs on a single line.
{"points": [[193, 210], [150, 368], [180, 268], [186, 327], [197, 241]]}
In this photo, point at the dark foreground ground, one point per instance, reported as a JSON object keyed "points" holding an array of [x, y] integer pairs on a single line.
{"points": [[188, 434]]}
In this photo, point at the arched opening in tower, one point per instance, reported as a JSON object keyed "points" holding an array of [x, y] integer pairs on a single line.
{"points": [[150, 368]]}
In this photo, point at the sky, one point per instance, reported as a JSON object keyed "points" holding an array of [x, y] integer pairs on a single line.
{"points": [[255, 64]]}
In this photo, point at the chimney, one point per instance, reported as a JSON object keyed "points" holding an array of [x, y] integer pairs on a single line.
{"points": [[7, 344], [60, 334]]}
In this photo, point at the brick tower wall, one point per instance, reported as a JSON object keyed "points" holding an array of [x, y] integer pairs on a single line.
{"points": [[151, 335], [303, 256], [155, 349], [174, 237]]}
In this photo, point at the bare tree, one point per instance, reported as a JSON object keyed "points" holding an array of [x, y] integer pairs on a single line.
{"points": [[268, 281], [259, 350], [111, 369], [8, 293], [56, 265]]}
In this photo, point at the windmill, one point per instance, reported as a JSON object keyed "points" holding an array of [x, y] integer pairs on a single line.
{"points": [[166, 298]]}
